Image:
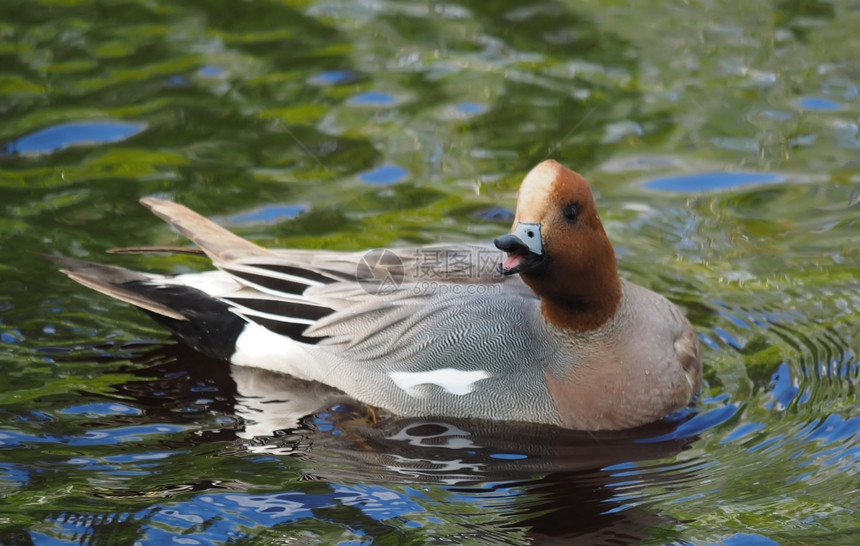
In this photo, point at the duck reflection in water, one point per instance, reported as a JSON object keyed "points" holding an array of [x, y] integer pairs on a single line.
{"points": [[564, 485]]}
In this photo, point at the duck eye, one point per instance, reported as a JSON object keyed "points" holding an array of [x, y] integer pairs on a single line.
{"points": [[571, 212]]}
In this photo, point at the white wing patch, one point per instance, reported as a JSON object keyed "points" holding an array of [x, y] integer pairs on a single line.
{"points": [[261, 348], [453, 381]]}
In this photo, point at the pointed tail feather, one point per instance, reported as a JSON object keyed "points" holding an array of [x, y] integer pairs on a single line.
{"points": [[199, 320], [218, 243], [194, 251], [113, 281]]}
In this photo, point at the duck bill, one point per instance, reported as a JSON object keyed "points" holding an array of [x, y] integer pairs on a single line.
{"points": [[524, 247]]}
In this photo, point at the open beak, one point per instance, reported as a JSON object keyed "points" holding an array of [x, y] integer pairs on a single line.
{"points": [[524, 247]]}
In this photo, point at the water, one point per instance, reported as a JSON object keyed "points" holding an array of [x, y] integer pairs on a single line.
{"points": [[722, 142]]}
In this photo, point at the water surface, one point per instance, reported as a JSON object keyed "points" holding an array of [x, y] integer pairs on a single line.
{"points": [[722, 143]]}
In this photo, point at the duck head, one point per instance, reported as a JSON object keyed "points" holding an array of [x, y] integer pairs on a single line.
{"points": [[559, 248]]}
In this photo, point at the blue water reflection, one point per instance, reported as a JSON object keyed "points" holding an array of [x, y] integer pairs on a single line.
{"points": [[742, 431], [818, 103], [101, 408], [333, 77], [746, 539], [695, 183], [384, 175], [373, 98], [268, 214], [471, 108], [77, 133], [210, 71], [698, 424], [13, 438], [785, 388], [213, 518]]}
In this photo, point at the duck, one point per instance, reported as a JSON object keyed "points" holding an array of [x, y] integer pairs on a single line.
{"points": [[537, 328]]}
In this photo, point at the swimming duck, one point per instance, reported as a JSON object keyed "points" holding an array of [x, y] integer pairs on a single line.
{"points": [[541, 329]]}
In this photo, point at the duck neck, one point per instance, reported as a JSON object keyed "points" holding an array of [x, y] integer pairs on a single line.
{"points": [[580, 300]]}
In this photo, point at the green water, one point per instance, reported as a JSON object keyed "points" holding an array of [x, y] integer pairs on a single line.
{"points": [[722, 142]]}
